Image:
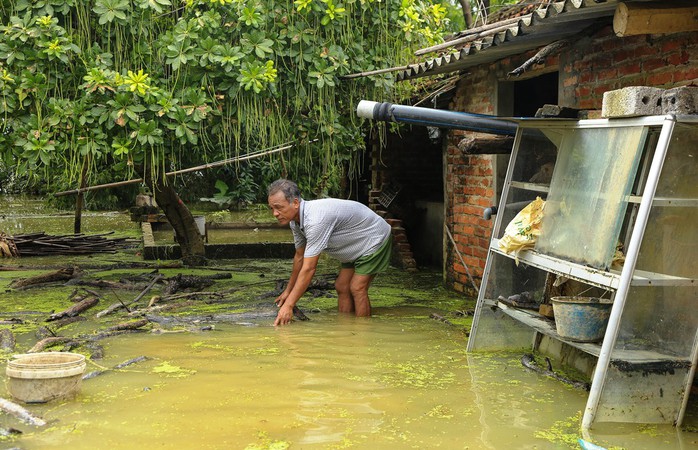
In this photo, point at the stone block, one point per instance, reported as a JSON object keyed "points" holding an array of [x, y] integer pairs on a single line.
{"points": [[680, 100], [562, 112], [632, 101]]}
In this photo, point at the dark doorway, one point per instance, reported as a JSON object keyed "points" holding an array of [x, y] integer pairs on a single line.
{"points": [[531, 94]]}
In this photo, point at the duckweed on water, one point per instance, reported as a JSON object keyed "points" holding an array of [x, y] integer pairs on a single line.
{"points": [[563, 432], [170, 370], [265, 443], [416, 373]]}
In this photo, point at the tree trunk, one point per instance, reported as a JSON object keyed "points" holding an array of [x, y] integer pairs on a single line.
{"points": [[182, 220], [467, 13]]}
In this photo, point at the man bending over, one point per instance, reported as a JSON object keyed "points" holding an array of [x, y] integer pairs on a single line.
{"points": [[346, 230]]}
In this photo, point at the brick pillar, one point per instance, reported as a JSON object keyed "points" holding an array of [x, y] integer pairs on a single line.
{"points": [[402, 251]]}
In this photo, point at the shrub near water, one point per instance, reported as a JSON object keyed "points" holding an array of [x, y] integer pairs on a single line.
{"points": [[105, 87]]}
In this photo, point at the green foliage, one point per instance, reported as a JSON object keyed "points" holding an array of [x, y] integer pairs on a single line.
{"points": [[167, 84]]}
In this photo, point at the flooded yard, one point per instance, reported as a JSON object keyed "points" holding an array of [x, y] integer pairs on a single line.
{"points": [[394, 381], [219, 376]]}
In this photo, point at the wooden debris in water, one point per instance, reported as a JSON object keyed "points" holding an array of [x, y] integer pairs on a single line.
{"points": [[132, 325], [298, 314], [21, 413], [9, 431], [115, 306], [49, 342], [64, 274], [441, 318], [60, 323], [96, 373], [198, 282], [75, 309]]}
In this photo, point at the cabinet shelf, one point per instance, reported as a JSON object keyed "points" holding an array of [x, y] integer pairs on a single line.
{"points": [[547, 327], [590, 275], [531, 186], [567, 269], [667, 201], [618, 180]]}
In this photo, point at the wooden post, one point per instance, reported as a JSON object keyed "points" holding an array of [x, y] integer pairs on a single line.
{"points": [[77, 225], [655, 18]]}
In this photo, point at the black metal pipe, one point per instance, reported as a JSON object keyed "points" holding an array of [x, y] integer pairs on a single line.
{"points": [[389, 112]]}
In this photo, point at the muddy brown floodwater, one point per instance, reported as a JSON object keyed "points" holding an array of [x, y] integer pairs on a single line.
{"points": [[399, 380], [393, 381]]}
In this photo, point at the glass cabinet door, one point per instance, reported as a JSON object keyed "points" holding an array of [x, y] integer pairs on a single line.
{"points": [[594, 173]]}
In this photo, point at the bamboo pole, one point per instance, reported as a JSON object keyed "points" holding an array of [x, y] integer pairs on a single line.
{"points": [[178, 172], [471, 34], [373, 72]]}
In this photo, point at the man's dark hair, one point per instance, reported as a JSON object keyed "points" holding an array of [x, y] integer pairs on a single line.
{"points": [[288, 187]]}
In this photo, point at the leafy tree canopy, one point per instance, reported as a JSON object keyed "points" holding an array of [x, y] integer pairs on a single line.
{"points": [[117, 85]]}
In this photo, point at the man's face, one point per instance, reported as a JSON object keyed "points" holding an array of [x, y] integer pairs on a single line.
{"points": [[282, 210]]}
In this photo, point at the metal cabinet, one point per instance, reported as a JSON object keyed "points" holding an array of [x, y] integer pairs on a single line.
{"points": [[619, 222]]}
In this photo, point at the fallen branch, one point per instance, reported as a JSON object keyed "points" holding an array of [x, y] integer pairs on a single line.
{"points": [[9, 431], [75, 309], [540, 56], [11, 321], [552, 49], [60, 323], [21, 413], [106, 334], [133, 325], [97, 373], [441, 318], [49, 342], [114, 306], [59, 275], [160, 308], [179, 282]]}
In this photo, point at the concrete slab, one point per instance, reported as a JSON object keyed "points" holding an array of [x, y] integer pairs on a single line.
{"points": [[680, 100], [632, 101]]}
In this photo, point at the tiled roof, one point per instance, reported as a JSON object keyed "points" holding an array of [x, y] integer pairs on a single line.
{"points": [[548, 22]]}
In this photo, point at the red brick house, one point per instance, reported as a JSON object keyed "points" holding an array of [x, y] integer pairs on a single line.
{"points": [[588, 59]]}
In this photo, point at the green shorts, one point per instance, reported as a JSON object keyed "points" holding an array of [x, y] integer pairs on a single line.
{"points": [[374, 263]]}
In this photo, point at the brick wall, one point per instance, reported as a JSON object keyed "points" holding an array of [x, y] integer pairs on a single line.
{"points": [[587, 69], [607, 62], [469, 186]]}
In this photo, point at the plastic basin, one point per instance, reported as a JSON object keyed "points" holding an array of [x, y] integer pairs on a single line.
{"points": [[40, 377], [581, 319]]}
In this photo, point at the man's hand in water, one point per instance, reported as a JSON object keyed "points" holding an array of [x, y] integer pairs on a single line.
{"points": [[285, 315]]}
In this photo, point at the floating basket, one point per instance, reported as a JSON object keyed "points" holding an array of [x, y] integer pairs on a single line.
{"points": [[40, 377], [581, 319]]}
